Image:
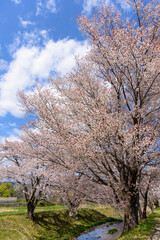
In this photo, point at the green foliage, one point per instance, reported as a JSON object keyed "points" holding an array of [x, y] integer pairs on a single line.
{"points": [[44, 203], [7, 189], [21, 200], [111, 223], [112, 231]]}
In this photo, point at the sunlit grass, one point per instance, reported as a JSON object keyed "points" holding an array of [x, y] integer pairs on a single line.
{"points": [[6, 211], [104, 209]]}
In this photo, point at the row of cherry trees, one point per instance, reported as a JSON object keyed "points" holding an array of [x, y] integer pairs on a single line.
{"points": [[100, 123], [39, 179]]}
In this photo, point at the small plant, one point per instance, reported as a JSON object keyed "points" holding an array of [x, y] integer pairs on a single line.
{"points": [[112, 231], [43, 203], [111, 223]]}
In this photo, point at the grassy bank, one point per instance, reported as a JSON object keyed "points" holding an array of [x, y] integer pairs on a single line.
{"points": [[144, 229], [51, 222]]}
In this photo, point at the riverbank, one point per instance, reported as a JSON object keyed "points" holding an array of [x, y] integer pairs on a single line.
{"points": [[146, 230], [54, 222], [51, 222]]}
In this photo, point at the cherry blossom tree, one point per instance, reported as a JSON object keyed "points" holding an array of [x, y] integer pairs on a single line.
{"points": [[27, 172], [149, 189], [75, 189], [65, 180], [104, 116], [146, 185]]}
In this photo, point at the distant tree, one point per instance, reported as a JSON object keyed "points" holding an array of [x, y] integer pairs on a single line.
{"points": [[26, 172], [7, 189], [19, 192], [149, 189]]}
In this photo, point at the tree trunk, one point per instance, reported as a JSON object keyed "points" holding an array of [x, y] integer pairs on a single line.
{"points": [[145, 203], [131, 212], [73, 211], [30, 210], [156, 203], [144, 215], [140, 212]]}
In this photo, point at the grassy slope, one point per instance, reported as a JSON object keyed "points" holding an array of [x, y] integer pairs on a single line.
{"points": [[144, 229], [50, 222]]}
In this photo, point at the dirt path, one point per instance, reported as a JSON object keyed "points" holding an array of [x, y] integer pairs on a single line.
{"points": [[7, 210]]}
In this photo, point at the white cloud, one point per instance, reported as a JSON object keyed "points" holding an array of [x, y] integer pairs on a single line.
{"points": [[44, 34], [32, 62], [123, 4], [16, 1], [51, 6], [17, 131], [31, 39], [88, 5], [39, 7], [12, 136], [3, 65], [28, 39], [25, 23], [12, 124], [48, 5], [16, 43]]}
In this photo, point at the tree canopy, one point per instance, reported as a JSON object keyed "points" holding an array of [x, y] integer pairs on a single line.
{"points": [[7, 189]]}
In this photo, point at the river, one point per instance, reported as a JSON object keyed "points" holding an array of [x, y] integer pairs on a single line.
{"points": [[101, 232]]}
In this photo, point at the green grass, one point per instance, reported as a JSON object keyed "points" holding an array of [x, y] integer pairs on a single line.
{"points": [[9, 211], [51, 222], [112, 231], [144, 229]]}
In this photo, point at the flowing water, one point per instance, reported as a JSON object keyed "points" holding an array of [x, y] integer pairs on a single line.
{"points": [[101, 232]]}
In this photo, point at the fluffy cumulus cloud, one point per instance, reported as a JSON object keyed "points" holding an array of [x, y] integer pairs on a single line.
{"points": [[32, 62], [88, 5], [42, 6], [16, 1]]}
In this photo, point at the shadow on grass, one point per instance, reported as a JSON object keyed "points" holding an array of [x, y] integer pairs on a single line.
{"points": [[59, 225]]}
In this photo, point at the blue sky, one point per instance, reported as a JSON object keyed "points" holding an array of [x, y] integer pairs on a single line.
{"points": [[37, 38]]}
